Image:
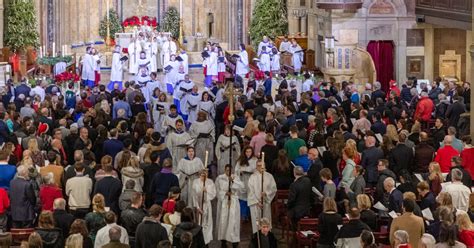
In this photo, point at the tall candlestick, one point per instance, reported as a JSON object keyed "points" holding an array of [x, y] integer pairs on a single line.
{"points": [[54, 49], [107, 1], [41, 52]]}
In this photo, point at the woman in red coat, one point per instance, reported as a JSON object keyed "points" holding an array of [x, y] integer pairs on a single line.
{"points": [[466, 229], [49, 192]]}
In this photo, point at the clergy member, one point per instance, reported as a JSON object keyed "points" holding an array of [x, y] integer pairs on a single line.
{"points": [[264, 64], [177, 142], [88, 66], [297, 58], [242, 67], [116, 74], [260, 199], [188, 170], [134, 50], [204, 191]]}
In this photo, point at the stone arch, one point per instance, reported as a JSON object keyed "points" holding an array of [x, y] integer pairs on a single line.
{"points": [[398, 6]]}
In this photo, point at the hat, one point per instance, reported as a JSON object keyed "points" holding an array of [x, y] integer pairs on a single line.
{"points": [[393, 82], [42, 128]]}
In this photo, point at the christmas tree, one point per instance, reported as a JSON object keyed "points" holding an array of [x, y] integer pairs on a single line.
{"points": [[171, 22], [21, 25], [268, 19], [115, 26]]}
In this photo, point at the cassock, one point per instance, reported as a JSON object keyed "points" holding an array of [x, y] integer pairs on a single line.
{"points": [[182, 89], [254, 193], [275, 64], [165, 53], [244, 173], [261, 45], [143, 74], [223, 152], [209, 195], [159, 111], [204, 134], [116, 74], [264, 63], [134, 50], [185, 62], [154, 54], [284, 46], [191, 107], [228, 210], [188, 171], [172, 75], [169, 124], [159, 61], [242, 67], [297, 58], [88, 69], [209, 108], [177, 142]]}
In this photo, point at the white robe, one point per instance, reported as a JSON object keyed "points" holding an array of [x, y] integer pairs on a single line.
{"points": [[154, 54], [285, 46], [203, 144], [205, 206], [275, 64], [222, 152], [169, 124], [242, 67], [143, 74], [172, 76], [264, 63], [88, 67], [228, 212], [181, 90], [134, 50], [116, 74], [262, 44], [188, 171], [159, 111], [297, 57], [185, 62], [209, 108], [254, 193], [59, 68], [191, 106], [244, 173], [176, 143], [212, 65], [165, 53]]}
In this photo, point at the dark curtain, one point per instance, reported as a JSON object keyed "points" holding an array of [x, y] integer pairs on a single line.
{"points": [[382, 54]]}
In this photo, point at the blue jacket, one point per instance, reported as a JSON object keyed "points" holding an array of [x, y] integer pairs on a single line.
{"points": [[7, 173], [370, 159], [303, 161], [112, 147], [121, 105], [268, 86], [161, 185], [22, 89]]}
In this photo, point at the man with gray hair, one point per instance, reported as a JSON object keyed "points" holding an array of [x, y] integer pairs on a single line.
{"points": [[456, 143], [300, 196], [378, 92], [24, 200], [458, 191], [114, 234], [62, 219], [395, 198]]}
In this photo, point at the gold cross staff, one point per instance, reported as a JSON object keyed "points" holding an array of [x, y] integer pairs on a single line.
{"points": [[231, 92]]}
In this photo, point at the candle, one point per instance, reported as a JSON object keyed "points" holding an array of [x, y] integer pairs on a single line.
{"points": [[263, 158], [107, 1], [41, 52], [54, 49], [45, 53], [180, 9], [205, 159]]}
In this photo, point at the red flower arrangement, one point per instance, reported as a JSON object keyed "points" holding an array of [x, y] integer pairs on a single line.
{"points": [[66, 77], [136, 21]]}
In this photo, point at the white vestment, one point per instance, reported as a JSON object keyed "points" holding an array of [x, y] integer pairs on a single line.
{"points": [[244, 173], [159, 111], [228, 210], [165, 53], [177, 143], [264, 63], [181, 91], [134, 50], [275, 64], [190, 107], [116, 74], [242, 67], [212, 65], [203, 133], [254, 197], [297, 58], [88, 67], [59, 68], [223, 152], [204, 205], [262, 44], [285, 46], [188, 171], [209, 108], [185, 62], [154, 54], [169, 124], [172, 75]]}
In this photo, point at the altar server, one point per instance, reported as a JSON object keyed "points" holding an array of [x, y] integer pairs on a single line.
{"points": [[264, 64], [88, 66], [204, 191], [260, 199], [134, 50], [297, 58], [242, 67], [116, 74], [223, 147]]}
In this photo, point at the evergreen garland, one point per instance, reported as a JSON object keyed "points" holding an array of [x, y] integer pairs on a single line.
{"points": [[21, 24], [115, 26], [171, 22], [53, 60], [268, 19]]}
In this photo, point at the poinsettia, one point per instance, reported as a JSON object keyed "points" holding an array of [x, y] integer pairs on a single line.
{"points": [[66, 77]]}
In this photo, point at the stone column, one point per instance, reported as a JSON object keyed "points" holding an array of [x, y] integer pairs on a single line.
{"points": [[303, 24], [1, 23], [429, 53], [471, 80], [401, 75], [292, 23]]}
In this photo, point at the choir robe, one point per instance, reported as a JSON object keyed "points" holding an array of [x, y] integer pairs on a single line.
{"points": [[116, 74], [169, 48], [228, 223], [169, 124], [297, 58], [207, 220], [242, 67], [143, 75], [88, 68], [264, 64], [204, 134], [177, 143], [262, 44], [209, 108], [171, 76], [190, 107], [181, 90], [188, 171], [159, 61], [275, 64], [185, 62], [159, 111], [223, 152], [244, 173], [134, 50], [254, 193], [153, 55]]}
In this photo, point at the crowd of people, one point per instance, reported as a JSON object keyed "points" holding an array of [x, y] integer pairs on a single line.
{"points": [[109, 169]]}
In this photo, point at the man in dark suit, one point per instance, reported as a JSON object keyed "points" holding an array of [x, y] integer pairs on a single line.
{"points": [[402, 156], [300, 196], [395, 198], [315, 168], [424, 154], [111, 188], [438, 133], [455, 110], [62, 219], [370, 159], [456, 163]]}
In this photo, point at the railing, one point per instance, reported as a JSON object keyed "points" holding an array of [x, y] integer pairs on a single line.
{"points": [[339, 4]]}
